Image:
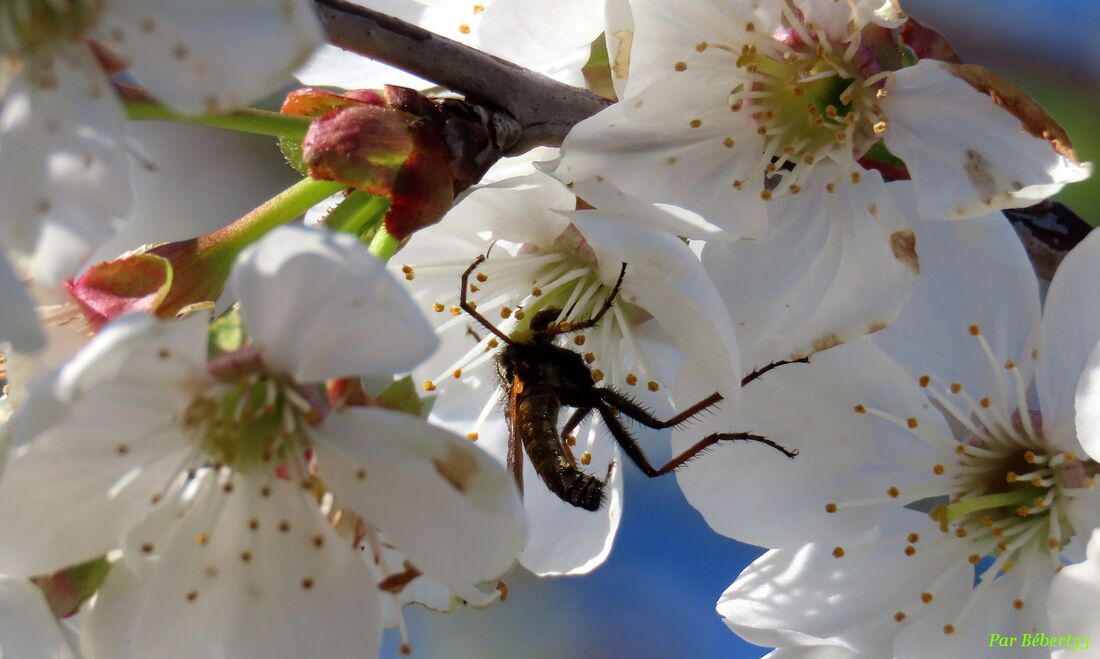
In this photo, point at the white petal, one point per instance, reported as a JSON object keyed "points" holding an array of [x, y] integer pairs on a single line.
{"points": [[1070, 332], [667, 33], [835, 266], [666, 279], [992, 612], [806, 596], [743, 488], [319, 305], [446, 504], [64, 175], [240, 574], [19, 326], [103, 464], [649, 146], [331, 66], [28, 629], [967, 155], [564, 539], [1071, 603], [209, 56], [972, 273], [814, 652], [1087, 405]]}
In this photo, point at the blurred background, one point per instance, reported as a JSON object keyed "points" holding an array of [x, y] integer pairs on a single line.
{"points": [[655, 595]]}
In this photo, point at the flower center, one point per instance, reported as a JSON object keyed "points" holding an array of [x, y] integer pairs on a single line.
{"points": [[811, 98], [260, 419], [29, 27], [1001, 492]]}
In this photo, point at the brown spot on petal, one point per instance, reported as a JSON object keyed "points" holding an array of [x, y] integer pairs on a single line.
{"points": [[826, 342], [904, 246], [980, 175], [1012, 99], [395, 583], [457, 466]]}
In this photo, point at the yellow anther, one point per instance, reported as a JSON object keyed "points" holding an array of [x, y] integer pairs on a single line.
{"points": [[429, 385], [586, 458]]}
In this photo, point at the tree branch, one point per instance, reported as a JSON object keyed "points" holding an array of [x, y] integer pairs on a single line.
{"points": [[544, 108]]}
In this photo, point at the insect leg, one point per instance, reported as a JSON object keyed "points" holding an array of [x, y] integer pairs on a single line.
{"points": [[515, 459], [465, 306], [607, 304], [630, 445], [644, 417], [574, 421], [764, 369]]}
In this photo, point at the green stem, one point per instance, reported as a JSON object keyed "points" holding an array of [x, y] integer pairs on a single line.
{"points": [[247, 120], [277, 211], [358, 214], [383, 245]]}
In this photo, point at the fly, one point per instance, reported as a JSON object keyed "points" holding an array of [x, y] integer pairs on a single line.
{"points": [[539, 378]]}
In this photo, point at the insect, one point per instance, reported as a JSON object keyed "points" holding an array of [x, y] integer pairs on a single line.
{"points": [[539, 378]]}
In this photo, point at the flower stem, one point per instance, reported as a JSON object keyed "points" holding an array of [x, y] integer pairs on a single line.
{"points": [[280, 209], [358, 214], [247, 120], [383, 245]]}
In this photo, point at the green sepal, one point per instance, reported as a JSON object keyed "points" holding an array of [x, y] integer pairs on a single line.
{"points": [[67, 590]]}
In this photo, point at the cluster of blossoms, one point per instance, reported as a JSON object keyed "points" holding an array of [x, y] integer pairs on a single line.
{"points": [[266, 440]]}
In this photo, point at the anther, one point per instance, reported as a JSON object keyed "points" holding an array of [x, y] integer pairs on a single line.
{"points": [[1018, 604], [631, 379], [586, 458], [472, 436], [938, 470], [830, 507], [910, 550], [429, 385], [899, 616], [652, 386], [438, 308], [926, 598], [579, 339], [949, 629], [912, 538], [893, 492], [859, 409], [911, 422], [924, 380], [838, 552]]}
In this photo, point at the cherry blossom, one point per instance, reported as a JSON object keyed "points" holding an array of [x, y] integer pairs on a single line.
{"points": [[216, 478], [69, 187], [731, 105], [544, 254], [940, 449]]}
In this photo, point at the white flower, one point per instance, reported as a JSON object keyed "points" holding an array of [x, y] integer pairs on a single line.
{"points": [[1074, 593], [732, 104], [940, 450], [64, 170], [209, 475], [553, 39], [546, 255], [28, 629]]}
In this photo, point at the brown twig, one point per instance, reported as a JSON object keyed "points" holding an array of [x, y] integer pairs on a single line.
{"points": [[545, 109]]}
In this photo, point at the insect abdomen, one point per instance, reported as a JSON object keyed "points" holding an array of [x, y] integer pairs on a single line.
{"points": [[536, 420]]}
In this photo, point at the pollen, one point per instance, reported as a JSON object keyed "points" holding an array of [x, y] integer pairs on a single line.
{"points": [[961, 532], [728, 142], [899, 616], [571, 440], [631, 379], [975, 330], [926, 598], [407, 269], [589, 357], [695, 123], [910, 550], [457, 373], [956, 387], [766, 195], [203, 539], [464, 29], [597, 375], [859, 409], [984, 402], [520, 314], [429, 385], [1010, 364], [893, 492], [879, 127], [949, 629], [913, 538], [536, 291], [938, 470], [438, 308], [652, 386], [830, 507], [838, 552], [1018, 604], [579, 340], [911, 422], [472, 436], [482, 277], [586, 458], [505, 312], [680, 66]]}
